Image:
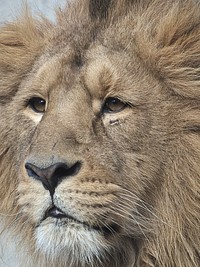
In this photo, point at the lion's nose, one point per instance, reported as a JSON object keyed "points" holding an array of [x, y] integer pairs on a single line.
{"points": [[52, 175]]}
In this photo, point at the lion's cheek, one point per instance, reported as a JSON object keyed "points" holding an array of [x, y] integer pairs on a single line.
{"points": [[32, 200]]}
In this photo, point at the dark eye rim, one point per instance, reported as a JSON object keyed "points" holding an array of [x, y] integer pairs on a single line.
{"points": [[105, 109], [31, 104]]}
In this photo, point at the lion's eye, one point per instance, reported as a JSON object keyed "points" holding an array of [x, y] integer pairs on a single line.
{"points": [[113, 105], [37, 104]]}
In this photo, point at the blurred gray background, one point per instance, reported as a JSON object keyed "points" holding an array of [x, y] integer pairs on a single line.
{"points": [[9, 9]]}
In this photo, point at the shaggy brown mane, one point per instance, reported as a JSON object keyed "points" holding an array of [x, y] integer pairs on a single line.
{"points": [[165, 37]]}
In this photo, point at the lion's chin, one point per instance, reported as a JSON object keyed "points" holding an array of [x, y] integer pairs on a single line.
{"points": [[76, 241]]}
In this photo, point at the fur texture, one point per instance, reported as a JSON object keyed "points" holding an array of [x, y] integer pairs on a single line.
{"points": [[121, 85]]}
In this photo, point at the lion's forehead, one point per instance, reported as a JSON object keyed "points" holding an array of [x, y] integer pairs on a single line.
{"points": [[102, 72]]}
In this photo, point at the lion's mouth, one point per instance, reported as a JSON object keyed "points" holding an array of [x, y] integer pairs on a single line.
{"points": [[57, 213]]}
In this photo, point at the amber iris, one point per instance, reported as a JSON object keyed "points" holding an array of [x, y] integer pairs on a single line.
{"points": [[37, 104], [113, 105]]}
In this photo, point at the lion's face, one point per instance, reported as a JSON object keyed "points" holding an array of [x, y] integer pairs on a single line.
{"points": [[99, 161], [90, 158]]}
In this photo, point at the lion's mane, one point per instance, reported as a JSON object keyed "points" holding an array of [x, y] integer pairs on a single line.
{"points": [[165, 36]]}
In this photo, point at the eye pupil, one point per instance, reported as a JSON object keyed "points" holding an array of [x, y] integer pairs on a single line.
{"points": [[113, 105], [37, 104]]}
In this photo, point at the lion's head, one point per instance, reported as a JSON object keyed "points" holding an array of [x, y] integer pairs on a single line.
{"points": [[100, 135]]}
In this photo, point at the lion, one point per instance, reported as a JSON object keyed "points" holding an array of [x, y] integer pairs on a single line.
{"points": [[100, 135]]}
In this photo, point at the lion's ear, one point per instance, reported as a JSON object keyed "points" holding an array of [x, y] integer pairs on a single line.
{"points": [[99, 8], [20, 44]]}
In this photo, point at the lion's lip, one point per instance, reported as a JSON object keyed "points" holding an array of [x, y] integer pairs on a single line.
{"points": [[57, 213]]}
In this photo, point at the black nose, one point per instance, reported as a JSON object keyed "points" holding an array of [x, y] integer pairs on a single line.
{"points": [[52, 175]]}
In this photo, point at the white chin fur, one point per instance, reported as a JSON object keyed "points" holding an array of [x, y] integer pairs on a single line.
{"points": [[72, 242]]}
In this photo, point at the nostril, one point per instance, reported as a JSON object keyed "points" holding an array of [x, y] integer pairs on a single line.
{"points": [[65, 171], [37, 173], [30, 171], [52, 175]]}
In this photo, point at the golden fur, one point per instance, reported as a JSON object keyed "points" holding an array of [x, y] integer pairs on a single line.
{"points": [[136, 198]]}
